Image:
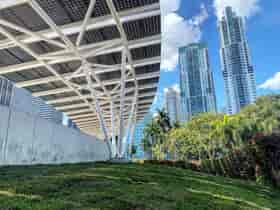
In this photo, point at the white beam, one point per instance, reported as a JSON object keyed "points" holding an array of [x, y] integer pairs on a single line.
{"points": [[81, 111], [90, 117], [122, 95], [107, 119], [113, 128], [78, 113], [45, 80], [67, 99], [83, 49], [106, 104], [93, 123], [75, 112], [141, 115], [73, 106], [82, 116], [108, 82], [86, 96], [127, 53], [85, 22]]}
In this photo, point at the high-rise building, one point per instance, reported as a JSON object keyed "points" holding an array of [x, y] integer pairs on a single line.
{"points": [[236, 63], [172, 104], [139, 135], [196, 81]]}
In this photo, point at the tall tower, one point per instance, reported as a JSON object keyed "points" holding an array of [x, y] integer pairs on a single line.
{"points": [[196, 81], [236, 63], [172, 104]]}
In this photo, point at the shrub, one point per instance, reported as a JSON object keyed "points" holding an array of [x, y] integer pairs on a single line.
{"points": [[171, 163], [237, 164]]}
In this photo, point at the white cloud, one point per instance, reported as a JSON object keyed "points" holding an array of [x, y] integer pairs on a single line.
{"points": [[155, 115], [176, 87], [169, 6], [201, 17], [178, 32], [244, 8], [272, 83]]}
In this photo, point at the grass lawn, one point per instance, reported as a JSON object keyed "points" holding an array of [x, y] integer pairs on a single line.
{"points": [[125, 187]]}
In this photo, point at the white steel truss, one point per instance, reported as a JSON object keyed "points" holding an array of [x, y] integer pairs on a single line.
{"points": [[111, 110]]}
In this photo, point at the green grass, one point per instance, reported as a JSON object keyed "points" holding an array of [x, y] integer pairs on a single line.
{"points": [[125, 187]]}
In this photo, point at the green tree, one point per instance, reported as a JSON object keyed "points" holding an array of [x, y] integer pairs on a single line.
{"points": [[215, 137], [163, 120], [155, 135], [261, 119], [151, 136]]}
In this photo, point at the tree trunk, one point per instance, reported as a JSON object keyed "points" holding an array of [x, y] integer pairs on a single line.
{"points": [[229, 164], [258, 171], [211, 161], [276, 176], [160, 152], [222, 166]]}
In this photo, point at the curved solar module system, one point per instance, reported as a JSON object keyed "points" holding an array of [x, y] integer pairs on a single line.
{"points": [[97, 61]]}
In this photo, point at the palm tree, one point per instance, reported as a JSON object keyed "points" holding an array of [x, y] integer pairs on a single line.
{"points": [[163, 120], [152, 136]]}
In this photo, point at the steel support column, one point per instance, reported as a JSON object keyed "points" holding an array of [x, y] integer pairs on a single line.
{"points": [[129, 124], [113, 129], [122, 95]]}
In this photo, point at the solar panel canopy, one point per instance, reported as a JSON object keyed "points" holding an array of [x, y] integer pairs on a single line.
{"points": [[97, 61]]}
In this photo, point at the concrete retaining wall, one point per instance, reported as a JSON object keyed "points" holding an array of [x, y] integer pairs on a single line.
{"points": [[22, 101], [25, 139]]}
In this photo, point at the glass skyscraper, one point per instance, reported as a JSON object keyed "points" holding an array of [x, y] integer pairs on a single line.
{"points": [[196, 81], [139, 135], [237, 69], [172, 104]]}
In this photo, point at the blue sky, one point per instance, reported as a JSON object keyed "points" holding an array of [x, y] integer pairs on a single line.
{"points": [[188, 21]]}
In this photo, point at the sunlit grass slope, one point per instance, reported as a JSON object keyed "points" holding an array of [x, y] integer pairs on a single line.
{"points": [[127, 186]]}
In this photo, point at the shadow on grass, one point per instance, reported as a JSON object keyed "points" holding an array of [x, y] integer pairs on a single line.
{"points": [[127, 187]]}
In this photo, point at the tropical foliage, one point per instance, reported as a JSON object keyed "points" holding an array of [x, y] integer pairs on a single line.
{"points": [[226, 142], [155, 135]]}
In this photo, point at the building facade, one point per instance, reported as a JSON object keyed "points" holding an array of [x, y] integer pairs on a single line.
{"points": [[139, 135], [172, 104], [237, 69], [196, 81]]}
